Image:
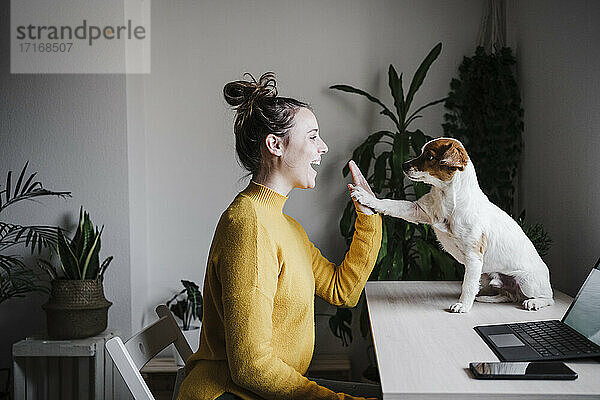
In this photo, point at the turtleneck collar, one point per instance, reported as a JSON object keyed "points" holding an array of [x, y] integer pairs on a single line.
{"points": [[265, 196]]}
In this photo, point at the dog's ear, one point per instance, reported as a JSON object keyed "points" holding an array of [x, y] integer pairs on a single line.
{"points": [[455, 157]]}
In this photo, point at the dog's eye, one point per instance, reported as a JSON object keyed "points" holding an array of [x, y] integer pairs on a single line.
{"points": [[429, 157]]}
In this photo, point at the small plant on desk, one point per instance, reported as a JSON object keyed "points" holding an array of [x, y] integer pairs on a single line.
{"points": [[187, 304]]}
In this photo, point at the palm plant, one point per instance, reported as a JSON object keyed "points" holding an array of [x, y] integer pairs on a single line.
{"points": [[408, 251], [187, 304], [16, 278]]}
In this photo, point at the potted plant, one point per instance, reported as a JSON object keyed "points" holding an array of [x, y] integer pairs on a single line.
{"points": [[77, 307], [187, 306], [16, 278], [408, 251]]}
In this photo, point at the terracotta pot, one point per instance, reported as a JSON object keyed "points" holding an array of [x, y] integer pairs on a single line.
{"points": [[76, 309]]}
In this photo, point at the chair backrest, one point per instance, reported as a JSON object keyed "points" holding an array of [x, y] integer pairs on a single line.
{"points": [[131, 356]]}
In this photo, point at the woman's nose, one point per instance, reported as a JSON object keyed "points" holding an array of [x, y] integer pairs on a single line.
{"points": [[323, 149]]}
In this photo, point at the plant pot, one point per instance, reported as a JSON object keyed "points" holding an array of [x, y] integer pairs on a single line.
{"points": [[192, 336], [76, 309]]}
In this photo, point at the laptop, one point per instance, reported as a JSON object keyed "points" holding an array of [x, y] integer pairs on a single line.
{"points": [[577, 335]]}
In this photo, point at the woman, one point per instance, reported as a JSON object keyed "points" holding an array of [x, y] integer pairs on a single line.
{"points": [[257, 335]]}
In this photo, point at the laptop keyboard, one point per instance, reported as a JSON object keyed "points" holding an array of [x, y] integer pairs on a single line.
{"points": [[553, 338]]}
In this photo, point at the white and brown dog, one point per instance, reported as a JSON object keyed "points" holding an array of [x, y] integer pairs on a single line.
{"points": [[476, 232]]}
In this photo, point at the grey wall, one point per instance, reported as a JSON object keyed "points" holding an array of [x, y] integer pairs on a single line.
{"points": [[72, 129], [558, 64]]}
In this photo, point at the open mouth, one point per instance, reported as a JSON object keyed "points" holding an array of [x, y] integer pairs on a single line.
{"points": [[315, 163]]}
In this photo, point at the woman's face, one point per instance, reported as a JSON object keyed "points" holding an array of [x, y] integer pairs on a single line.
{"points": [[303, 149]]}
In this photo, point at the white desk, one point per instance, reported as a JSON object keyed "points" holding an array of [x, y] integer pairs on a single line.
{"points": [[423, 350]]}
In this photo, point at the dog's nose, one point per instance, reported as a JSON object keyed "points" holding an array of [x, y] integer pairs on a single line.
{"points": [[406, 166]]}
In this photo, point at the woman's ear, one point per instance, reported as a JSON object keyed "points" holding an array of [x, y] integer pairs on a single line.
{"points": [[274, 145]]}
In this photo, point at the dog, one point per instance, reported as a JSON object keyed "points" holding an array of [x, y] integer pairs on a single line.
{"points": [[477, 233]]}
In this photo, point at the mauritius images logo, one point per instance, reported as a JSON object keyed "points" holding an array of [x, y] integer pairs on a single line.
{"points": [[80, 36]]}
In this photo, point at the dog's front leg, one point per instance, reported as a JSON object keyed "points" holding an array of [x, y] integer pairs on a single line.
{"points": [[407, 210], [470, 286]]}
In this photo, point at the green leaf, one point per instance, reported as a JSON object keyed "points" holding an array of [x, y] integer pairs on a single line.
{"points": [[383, 248], [424, 251], [340, 325], [194, 300], [89, 237], [346, 221], [421, 73], [26, 187], [104, 266], [401, 153], [8, 179], [345, 170], [398, 264], [11, 263], [364, 162], [18, 186], [449, 268], [67, 259], [395, 84], [91, 259], [364, 320], [28, 239], [380, 172], [386, 266], [47, 267], [78, 240], [365, 153], [386, 111], [420, 189], [418, 140]]}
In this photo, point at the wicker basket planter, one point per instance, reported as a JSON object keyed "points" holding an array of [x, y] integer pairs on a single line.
{"points": [[76, 309]]}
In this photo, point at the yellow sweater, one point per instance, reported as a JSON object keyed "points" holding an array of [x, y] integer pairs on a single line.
{"points": [[258, 327]]}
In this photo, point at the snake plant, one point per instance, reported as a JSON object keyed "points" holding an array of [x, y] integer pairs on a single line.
{"points": [[79, 257]]}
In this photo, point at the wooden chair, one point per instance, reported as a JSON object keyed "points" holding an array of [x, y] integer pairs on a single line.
{"points": [[131, 356]]}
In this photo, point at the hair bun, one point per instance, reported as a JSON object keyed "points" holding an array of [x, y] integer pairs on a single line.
{"points": [[238, 93]]}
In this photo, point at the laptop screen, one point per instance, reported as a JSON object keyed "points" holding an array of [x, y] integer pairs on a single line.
{"points": [[584, 314]]}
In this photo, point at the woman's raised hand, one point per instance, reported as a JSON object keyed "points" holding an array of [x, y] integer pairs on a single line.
{"points": [[359, 180]]}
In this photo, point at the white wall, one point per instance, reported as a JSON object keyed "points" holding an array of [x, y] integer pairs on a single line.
{"points": [[558, 64], [72, 129], [191, 171]]}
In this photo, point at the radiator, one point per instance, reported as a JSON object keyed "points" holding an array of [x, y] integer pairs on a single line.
{"points": [[66, 370]]}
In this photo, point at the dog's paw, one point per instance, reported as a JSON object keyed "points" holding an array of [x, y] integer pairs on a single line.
{"points": [[363, 197], [460, 308], [536, 304]]}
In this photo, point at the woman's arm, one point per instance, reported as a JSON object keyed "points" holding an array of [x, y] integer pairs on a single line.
{"points": [[248, 275], [342, 285]]}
